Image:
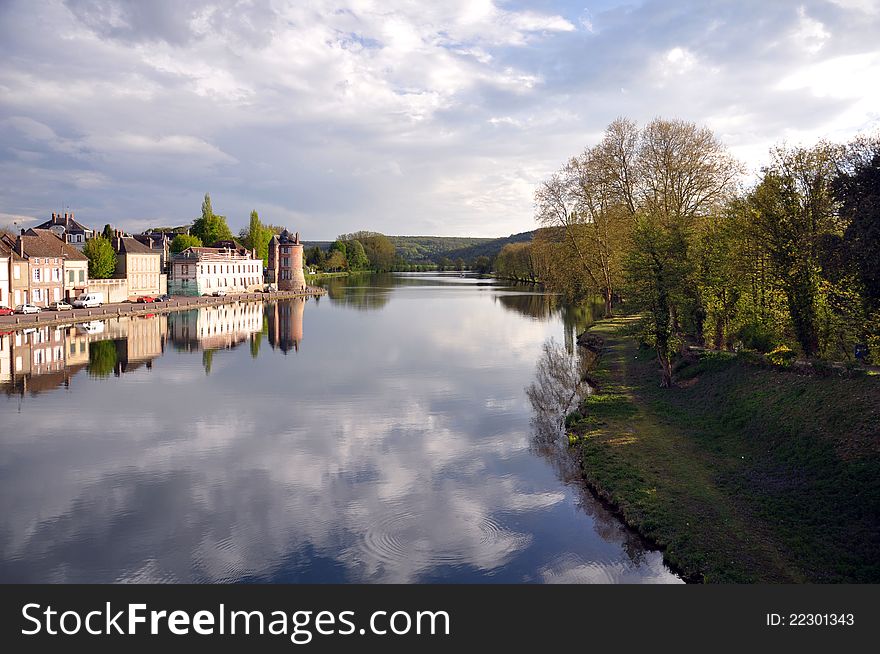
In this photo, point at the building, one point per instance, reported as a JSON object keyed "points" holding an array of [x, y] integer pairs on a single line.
{"points": [[203, 271], [5, 256], [65, 227], [17, 275], [76, 272], [41, 282], [140, 265], [286, 262], [158, 242]]}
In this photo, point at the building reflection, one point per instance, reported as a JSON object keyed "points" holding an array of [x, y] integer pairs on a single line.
{"points": [[215, 327], [285, 324], [42, 359]]}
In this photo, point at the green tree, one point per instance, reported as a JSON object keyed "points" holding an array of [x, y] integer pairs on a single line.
{"points": [[210, 227], [794, 210], [180, 242], [257, 236], [380, 251], [336, 261], [355, 255], [858, 192], [108, 232], [102, 258]]}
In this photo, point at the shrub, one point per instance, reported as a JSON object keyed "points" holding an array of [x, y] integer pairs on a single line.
{"points": [[782, 356], [757, 336]]}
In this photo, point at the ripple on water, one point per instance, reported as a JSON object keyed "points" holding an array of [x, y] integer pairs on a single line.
{"points": [[405, 536]]}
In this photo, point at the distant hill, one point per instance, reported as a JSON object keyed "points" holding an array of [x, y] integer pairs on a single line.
{"points": [[489, 248], [430, 249]]}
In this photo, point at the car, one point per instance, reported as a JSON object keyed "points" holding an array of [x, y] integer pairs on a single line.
{"points": [[5, 311], [27, 308], [219, 293], [163, 298], [145, 299], [88, 301], [61, 305]]}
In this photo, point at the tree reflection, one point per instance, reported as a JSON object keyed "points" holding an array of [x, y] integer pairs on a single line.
{"points": [[562, 381]]}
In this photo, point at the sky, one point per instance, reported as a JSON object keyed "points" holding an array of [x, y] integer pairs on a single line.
{"points": [[404, 117]]}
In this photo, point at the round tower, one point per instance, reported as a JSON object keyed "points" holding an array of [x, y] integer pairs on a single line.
{"points": [[290, 262]]}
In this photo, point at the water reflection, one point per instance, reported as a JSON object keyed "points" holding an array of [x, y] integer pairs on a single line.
{"points": [[396, 447]]}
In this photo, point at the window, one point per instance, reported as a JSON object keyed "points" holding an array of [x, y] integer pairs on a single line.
{"points": [[56, 274], [38, 295], [71, 276], [79, 238], [36, 260], [56, 294], [16, 272], [36, 274], [82, 276]]}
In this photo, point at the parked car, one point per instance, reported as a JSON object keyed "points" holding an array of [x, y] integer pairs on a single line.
{"points": [[145, 299], [5, 311], [163, 298], [27, 308], [61, 305], [219, 293], [88, 301]]}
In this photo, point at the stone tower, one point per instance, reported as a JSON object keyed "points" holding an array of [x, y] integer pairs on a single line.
{"points": [[286, 262]]}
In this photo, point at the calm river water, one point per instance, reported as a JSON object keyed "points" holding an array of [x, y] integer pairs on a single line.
{"points": [[379, 434]]}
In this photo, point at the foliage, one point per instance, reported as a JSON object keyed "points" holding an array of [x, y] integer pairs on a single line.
{"points": [[355, 256], [181, 242], [256, 237], [515, 262], [380, 250], [102, 258], [782, 356], [210, 227]]}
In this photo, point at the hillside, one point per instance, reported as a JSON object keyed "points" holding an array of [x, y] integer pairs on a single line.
{"points": [[430, 249]]}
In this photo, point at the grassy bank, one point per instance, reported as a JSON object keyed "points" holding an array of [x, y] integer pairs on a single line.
{"points": [[743, 473]]}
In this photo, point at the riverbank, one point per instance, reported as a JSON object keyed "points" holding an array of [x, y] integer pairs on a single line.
{"points": [[177, 303], [742, 473]]}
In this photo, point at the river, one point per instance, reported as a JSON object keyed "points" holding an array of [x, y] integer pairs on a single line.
{"points": [[380, 433]]}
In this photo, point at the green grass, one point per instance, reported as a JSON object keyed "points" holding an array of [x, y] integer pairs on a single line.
{"points": [[744, 473]]}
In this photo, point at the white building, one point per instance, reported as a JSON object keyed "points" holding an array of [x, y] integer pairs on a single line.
{"points": [[5, 290], [203, 271]]}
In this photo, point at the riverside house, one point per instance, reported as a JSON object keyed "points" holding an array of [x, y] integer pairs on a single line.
{"points": [[65, 227], [204, 271], [5, 256], [140, 265], [37, 264]]}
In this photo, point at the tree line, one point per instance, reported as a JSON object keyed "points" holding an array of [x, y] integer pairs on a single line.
{"points": [[658, 216]]}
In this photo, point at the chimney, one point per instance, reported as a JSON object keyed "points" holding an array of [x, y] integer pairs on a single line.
{"points": [[20, 244], [53, 218]]}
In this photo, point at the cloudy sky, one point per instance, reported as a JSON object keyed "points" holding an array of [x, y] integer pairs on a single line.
{"points": [[400, 116]]}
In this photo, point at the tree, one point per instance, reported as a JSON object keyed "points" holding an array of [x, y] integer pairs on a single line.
{"points": [[109, 232], [482, 264], [102, 258], [793, 210], [315, 256], [355, 255], [336, 261], [515, 262], [210, 228], [379, 249], [256, 237], [180, 242], [858, 192]]}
